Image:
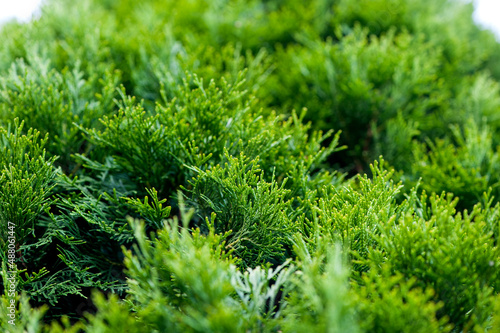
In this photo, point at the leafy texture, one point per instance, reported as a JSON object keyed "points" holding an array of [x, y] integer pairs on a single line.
{"points": [[250, 166]]}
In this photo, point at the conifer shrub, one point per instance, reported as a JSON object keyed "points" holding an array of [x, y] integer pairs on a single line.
{"points": [[254, 213], [467, 168], [249, 166], [52, 101], [27, 179], [454, 254]]}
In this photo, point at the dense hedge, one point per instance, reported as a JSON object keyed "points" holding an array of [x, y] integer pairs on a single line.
{"points": [[251, 166]]}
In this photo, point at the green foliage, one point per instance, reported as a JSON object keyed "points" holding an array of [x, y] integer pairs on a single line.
{"points": [[26, 180], [167, 271], [494, 324], [138, 143], [194, 280], [361, 83], [179, 166], [193, 130], [467, 168], [387, 303], [26, 319], [353, 214], [154, 213], [252, 212], [397, 142], [113, 315], [455, 254], [51, 101], [445, 24], [320, 300]]}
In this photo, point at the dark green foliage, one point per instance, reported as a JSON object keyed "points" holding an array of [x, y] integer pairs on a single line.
{"points": [[180, 166]]}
